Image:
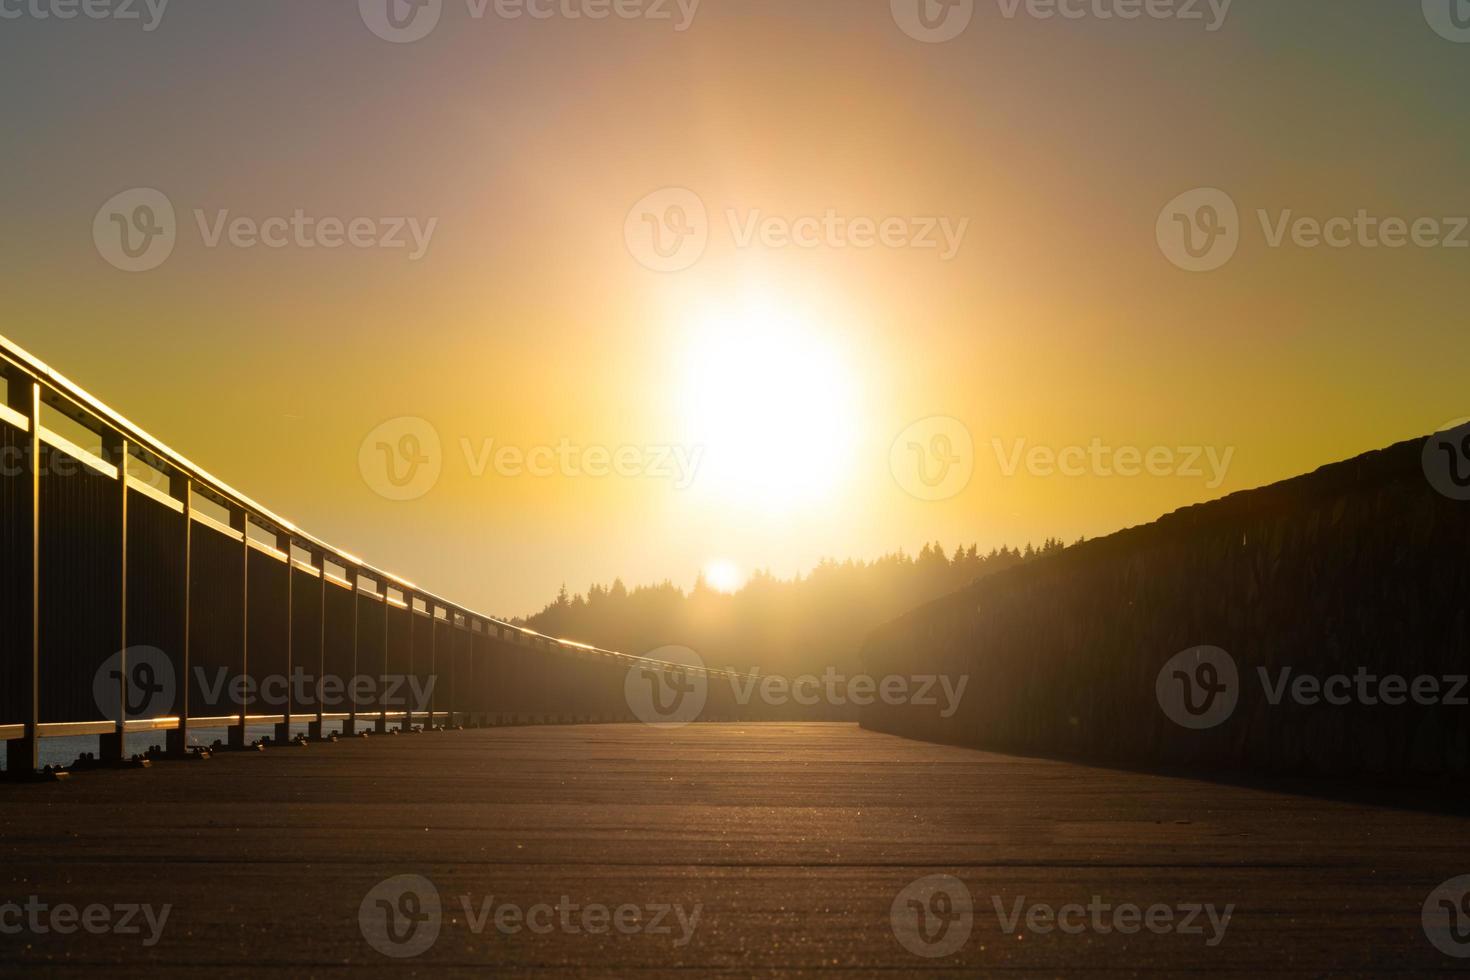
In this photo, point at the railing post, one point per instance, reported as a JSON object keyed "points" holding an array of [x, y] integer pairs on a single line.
{"points": [[240, 521], [112, 748], [382, 726], [182, 489], [22, 755], [433, 663], [283, 729], [349, 727], [319, 559], [408, 702]]}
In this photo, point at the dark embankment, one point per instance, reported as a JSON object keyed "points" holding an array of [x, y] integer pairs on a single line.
{"points": [[1362, 564]]}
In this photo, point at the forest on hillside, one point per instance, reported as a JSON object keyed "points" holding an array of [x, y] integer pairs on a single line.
{"points": [[785, 626]]}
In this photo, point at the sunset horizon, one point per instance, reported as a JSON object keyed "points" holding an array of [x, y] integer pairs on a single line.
{"points": [[756, 488]]}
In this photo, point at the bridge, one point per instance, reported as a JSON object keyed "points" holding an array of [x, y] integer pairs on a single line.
{"points": [[354, 773], [144, 597]]}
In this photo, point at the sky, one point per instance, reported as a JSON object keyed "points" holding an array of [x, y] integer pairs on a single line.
{"points": [[738, 284]]}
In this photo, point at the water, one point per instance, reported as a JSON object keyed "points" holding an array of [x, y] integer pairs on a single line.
{"points": [[65, 750]]}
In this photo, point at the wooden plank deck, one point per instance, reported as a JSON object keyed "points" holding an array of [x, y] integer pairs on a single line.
{"points": [[791, 841]]}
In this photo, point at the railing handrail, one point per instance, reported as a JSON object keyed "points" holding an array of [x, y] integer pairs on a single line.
{"points": [[42, 373]]}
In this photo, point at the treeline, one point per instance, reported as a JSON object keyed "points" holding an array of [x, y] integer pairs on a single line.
{"points": [[787, 626]]}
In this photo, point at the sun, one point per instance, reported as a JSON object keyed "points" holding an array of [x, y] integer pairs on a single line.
{"points": [[723, 576], [771, 400]]}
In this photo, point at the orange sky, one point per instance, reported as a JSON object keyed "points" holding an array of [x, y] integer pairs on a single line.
{"points": [[1050, 325]]}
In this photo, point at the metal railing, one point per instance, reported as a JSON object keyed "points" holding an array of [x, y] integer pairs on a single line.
{"points": [[139, 593]]}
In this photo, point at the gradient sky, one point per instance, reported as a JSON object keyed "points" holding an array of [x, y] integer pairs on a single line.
{"points": [[530, 321]]}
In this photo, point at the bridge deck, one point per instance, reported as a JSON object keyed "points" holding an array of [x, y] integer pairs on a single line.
{"points": [[793, 839]]}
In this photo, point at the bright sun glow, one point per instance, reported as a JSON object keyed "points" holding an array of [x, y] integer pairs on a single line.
{"points": [[723, 576], [773, 401]]}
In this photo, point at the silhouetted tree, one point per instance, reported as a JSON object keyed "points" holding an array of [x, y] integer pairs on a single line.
{"points": [[790, 626]]}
